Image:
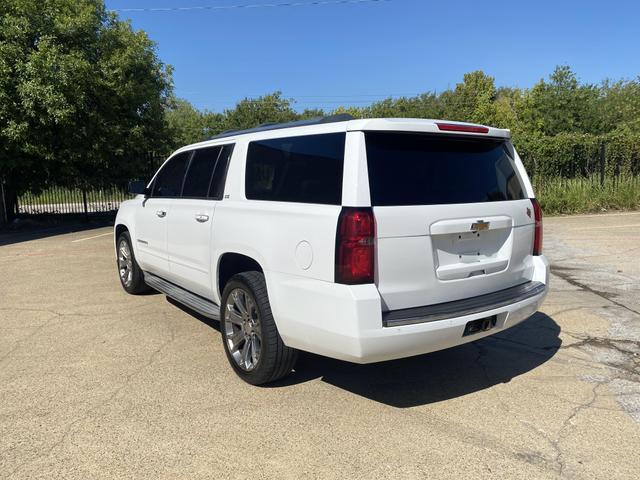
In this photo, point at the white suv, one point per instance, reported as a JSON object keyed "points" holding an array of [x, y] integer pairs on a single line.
{"points": [[362, 240]]}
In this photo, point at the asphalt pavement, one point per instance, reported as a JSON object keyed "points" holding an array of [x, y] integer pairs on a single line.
{"points": [[97, 384]]}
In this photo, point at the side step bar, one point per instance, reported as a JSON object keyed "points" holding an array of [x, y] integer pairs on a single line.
{"points": [[185, 297], [459, 308]]}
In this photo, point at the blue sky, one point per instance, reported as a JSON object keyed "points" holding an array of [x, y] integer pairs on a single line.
{"points": [[351, 54]]}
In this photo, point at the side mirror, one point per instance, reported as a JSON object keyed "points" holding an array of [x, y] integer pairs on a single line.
{"points": [[138, 187]]}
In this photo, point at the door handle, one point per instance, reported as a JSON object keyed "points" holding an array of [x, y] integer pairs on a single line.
{"points": [[161, 213], [202, 218]]}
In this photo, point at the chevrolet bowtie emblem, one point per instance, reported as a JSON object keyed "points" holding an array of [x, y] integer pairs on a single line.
{"points": [[480, 225]]}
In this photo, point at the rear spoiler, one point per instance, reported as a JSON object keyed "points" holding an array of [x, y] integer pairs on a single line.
{"points": [[426, 126]]}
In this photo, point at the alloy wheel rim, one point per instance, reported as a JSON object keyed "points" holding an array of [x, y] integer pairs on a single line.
{"points": [[242, 329], [125, 263]]}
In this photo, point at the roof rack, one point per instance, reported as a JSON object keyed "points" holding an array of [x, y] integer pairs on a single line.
{"points": [[342, 117]]}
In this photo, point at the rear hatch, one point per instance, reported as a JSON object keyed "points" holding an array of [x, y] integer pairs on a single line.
{"points": [[452, 217]]}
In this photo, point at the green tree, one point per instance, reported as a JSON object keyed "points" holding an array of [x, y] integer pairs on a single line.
{"points": [[81, 93], [562, 105], [248, 113], [312, 113], [355, 112], [507, 109], [186, 124], [426, 105], [472, 100], [619, 105]]}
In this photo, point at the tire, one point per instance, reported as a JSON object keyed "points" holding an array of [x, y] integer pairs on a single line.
{"points": [[241, 331], [129, 272]]}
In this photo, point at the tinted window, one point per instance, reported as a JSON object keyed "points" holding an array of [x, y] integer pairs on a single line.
{"points": [[196, 183], [419, 169], [220, 174], [304, 169], [168, 182]]}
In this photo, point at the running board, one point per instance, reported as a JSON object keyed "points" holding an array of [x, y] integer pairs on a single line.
{"points": [[185, 297]]}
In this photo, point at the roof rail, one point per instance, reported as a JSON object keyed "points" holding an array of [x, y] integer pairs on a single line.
{"points": [[342, 117]]}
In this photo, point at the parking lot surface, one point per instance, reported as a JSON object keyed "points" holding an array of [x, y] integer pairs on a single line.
{"points": [[98, 384]]}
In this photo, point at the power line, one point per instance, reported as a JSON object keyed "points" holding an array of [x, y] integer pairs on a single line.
{"points": [[294, 102], [288, 96], [316, 3]]}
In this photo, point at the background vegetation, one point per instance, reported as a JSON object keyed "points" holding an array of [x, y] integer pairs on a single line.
{"points": [[568, 133], [85, 102]]}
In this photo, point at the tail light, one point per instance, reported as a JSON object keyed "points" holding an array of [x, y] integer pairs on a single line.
{"points": [[537, 236], [355, 246]]}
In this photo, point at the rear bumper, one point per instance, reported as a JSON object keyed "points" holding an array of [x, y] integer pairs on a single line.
{"points": [[464, 307], [346, 322]]}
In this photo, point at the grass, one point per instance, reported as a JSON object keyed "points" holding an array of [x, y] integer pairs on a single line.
{"points": [[586, 195]]}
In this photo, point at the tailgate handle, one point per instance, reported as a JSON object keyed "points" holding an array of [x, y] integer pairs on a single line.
{"points": [[464, 225]]}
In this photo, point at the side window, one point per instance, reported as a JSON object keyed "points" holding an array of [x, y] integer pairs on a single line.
{"points": [[168, 182], [305, 169], [220, 174], [196, 183]]}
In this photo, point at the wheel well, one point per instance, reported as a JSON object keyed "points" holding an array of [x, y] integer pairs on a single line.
{"points": [[232, 263], [120, 229]]}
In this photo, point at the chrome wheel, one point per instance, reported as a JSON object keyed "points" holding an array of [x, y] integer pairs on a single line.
{"points": [[125, 263], [242, 329]]}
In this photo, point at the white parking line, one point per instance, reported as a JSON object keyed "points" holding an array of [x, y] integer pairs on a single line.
{"points": [[91, 238]]}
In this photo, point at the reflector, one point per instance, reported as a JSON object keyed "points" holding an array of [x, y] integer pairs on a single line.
{"points": [[537, 236]]}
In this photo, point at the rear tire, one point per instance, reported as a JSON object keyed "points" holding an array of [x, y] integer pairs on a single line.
{"points": [[129, 272], [250, 337]]}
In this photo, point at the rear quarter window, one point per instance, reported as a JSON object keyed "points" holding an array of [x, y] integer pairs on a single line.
{"points": [[304, 169], [423, 169]]}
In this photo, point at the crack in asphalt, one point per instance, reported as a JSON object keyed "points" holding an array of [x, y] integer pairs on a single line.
{"points": [[533, 458], [628, 349], [567, 277], [87, 415], [568, 425], [55, 315], [618, 353], [32, 334]]}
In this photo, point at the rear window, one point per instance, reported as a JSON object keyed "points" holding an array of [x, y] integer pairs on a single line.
{"points": [[422, 169], [305, 169]]}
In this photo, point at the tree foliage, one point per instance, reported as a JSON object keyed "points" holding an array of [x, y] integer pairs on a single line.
{"points": [[559, 125], [80, 92], [83, 96], [559, 104]]}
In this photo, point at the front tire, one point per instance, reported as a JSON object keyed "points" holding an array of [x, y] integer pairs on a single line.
{"points": [[131, 276], [250, 337]]}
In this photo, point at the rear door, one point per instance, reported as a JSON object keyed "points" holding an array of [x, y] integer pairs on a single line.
{"points": [[191, 225], [452, 217], [155, 211]]}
